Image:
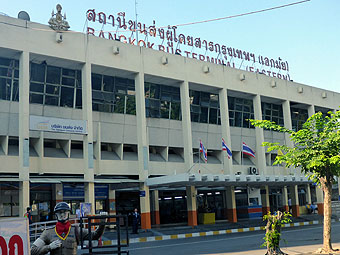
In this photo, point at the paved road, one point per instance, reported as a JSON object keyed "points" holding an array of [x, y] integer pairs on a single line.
{"points": [[299, 240]]}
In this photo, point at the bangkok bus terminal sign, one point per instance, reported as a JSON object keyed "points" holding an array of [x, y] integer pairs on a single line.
{"points": [[169, 39]]}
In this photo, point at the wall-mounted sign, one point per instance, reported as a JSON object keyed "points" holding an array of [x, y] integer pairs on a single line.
{"points": [[169, 39], [41, 123]]}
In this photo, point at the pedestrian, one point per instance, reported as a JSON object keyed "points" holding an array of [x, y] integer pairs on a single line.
{"points": [[28, 215], [290, 204], [64, 237], [135, 221]]}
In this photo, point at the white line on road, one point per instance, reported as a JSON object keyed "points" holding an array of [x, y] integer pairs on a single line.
{"points": [[224, 239]]}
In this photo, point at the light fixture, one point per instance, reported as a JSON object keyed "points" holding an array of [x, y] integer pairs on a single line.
{"points": [[164, 60], [206, 69], [242, 77], [324, 95], [59, 37], [115, 50], [273, 84], [300, 89]]}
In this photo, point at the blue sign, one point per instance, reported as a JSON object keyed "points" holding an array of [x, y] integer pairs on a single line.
{"points": [[142, 193], [76, 192]]}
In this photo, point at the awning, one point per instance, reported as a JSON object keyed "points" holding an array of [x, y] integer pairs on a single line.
{"points": [[218, 180]]}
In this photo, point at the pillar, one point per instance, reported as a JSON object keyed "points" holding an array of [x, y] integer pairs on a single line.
{"points": [[265, 200], [224, 111], [319, 199], [295, 200], [287, 119], [88, 139], [260, 150], [191, 205], [24, 186], [285, 205], [308, 195], [144, 201], [89, 195], [112, 205], [186, 125], [155, 208], [230, 203]]}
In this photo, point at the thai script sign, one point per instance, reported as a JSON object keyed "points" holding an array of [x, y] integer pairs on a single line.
{"points": [[185, 45], [14, 236], [41, 123]]}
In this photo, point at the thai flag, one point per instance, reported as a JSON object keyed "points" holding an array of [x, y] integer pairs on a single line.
{"points": [[225, 148], [204, 151], [247, 150]]}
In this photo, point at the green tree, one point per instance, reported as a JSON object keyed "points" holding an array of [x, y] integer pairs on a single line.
{"points": [[316, 152]]}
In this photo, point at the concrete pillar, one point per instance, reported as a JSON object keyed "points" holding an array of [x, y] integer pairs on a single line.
{"points": [[186, 125], [311, 110], [191, 205], [24, 186], [224, 111], [260, 150], [88, 139], [265, 200], [155, 219], [308, 195], [112, 205], [89, 195], [57, 194], [285, 205], [143, 151], [294, 195], [230, 203], [144, 201], [287, 119], [319, 199]]}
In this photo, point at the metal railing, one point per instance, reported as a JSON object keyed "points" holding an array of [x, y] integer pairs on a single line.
{"points": [[105, 220]]}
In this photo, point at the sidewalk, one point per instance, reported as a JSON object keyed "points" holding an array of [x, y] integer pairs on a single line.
{"points": [[177, 231]]}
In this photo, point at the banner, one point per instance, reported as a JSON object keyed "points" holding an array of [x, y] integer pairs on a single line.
{"points": [[14, 236], [41, 123]]}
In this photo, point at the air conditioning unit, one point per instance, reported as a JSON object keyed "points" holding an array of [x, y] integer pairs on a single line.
{"points": [[253, 171]]}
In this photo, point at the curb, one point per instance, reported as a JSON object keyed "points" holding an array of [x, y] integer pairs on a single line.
{"points": [[208, 233]]}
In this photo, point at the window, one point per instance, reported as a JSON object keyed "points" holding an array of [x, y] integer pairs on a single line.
{"points": [[204, 107], [162, 101], [9, 79], [240, 110], [272, 112], [113, 94], [57, 86], [299, 117]]}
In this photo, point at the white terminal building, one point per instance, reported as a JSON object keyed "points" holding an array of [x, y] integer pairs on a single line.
{"points": [[87, 119]]}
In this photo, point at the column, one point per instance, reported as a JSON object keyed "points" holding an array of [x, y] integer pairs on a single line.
{"points": [[143, 151], [24, 186], [319, 199], [186, 125], [230, 203], [285, 205], [88, 139], [144, 201], [57, 194], [265, 200], [308, 195], [295, 200], [260, 150], [112, 205], [287, 119], [155, 208], [191, 205], [224, 111]]}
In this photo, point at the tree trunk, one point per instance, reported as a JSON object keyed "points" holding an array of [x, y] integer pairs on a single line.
{"points": [[327, 189]]}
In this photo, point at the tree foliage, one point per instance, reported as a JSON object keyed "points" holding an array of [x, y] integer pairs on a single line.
{"points": [[316, 146]]}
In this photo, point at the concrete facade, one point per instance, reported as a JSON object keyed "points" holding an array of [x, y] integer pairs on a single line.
{"points": [[29, 42]]}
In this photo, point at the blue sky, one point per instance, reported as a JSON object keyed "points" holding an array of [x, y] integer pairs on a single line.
{"points": [[306, 35]]}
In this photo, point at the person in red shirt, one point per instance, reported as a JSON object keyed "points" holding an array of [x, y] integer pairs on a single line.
{"points": [[28, 215]]}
